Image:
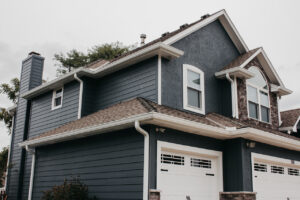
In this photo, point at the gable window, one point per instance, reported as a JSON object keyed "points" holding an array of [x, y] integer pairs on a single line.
{"points": [[57, 98], [193, 89], [258, 96]]}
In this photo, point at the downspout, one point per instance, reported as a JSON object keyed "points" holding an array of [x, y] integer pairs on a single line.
{"points": [[32, 151], [232, 94], [80, 95], [146, 157]]}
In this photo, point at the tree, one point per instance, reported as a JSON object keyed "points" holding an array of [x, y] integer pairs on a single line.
{"points": [[11, 90], [3, 165], [75, 59]]}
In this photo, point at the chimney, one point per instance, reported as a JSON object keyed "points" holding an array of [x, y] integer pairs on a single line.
{"points": [[31, 77], [143, 38]]}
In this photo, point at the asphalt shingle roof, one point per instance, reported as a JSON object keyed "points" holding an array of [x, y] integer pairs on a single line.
{"points": [[289, 117]]}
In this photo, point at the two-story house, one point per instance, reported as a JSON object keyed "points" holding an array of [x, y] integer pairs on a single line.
{"points": [[190, 115]]}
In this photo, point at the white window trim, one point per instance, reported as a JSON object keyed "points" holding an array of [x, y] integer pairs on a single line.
{"points": [[201, 110], [258, 89], [178, 148], [53, 107]]}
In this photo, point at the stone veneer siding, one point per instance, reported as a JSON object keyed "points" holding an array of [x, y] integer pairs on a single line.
{"points": [[237, 196], [243, 104]]}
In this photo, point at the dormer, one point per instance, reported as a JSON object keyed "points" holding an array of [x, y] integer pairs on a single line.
{"points": [[255, 88]]}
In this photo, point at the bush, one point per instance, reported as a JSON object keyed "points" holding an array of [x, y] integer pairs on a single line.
{"points": [[69, 190]]}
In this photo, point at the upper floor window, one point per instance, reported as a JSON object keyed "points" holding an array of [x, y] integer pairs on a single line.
{"points": [[193, 89], [258, 96], [57, 98]]}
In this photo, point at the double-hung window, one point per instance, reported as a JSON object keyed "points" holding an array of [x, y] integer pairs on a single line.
{"points": [[258, 96], [57, 98], [193, 89]]}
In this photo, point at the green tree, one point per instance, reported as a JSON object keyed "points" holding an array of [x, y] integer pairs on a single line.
{"points": [[11, 91], [3, 165], [75, 59]]}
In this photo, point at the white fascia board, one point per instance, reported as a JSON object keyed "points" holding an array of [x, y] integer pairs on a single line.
{"points": [[281, 91], [172, 123], [290, 128], [225, 21], [268, 138], [236, 71], [159, 48]]}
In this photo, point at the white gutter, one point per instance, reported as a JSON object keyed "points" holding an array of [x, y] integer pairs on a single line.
{"points": [[80, 95], [173, 123], [233, 98], [146, 158], [32, 151]]}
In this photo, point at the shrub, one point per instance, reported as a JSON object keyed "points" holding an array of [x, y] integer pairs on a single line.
{"points": [[69, 190]]}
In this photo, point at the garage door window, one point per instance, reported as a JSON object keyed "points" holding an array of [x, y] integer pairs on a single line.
{"points": [[195, 162], [172, 159], [277, 169], [293, 172], [260, 167]]}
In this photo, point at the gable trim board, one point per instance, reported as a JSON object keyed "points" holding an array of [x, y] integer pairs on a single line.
{"points": [[240, 72], [225, 21], [159, 48], [170, 122]]}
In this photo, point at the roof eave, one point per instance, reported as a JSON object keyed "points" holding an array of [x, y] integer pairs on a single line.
{"points": [[281, 91], [236, 71], [160, 48]]}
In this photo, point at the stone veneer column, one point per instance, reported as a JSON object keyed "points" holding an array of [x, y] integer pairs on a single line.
{"points": [[237, 195]]}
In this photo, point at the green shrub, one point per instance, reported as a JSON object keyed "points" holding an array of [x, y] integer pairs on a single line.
{"points": [[69, 190]]}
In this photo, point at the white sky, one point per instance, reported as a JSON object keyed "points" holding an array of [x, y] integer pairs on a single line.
{"points": [[54, 26]]}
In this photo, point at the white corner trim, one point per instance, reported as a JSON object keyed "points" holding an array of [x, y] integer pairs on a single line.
{"points": [[80, 95], [189, 150], [185, 69], [236, 98], [31, 151], [233, 99], [146, 158], [159, 89]]}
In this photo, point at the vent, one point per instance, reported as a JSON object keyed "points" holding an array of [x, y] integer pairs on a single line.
{"points": [[183, 26], [172, 159], [260, 167], [277, 170], [165, 34], [205, 16], [293, 172], [195, 162]]}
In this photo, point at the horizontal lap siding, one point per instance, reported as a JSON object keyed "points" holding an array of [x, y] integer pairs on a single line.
{"points": [[139, 80], [111, 165]]}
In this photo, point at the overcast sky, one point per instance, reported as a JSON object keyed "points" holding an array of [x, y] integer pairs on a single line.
{"points": [[54, 26]]}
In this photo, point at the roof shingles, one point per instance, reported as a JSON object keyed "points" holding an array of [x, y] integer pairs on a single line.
{"points": [[289, 117]]}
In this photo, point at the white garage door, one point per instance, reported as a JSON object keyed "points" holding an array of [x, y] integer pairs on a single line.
{"points": [[276, 181], [188, 177]]}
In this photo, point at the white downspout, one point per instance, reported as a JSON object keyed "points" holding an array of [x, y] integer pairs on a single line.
{"points": [[232, 94], [146, 157], [32, 151], [80, 95]]}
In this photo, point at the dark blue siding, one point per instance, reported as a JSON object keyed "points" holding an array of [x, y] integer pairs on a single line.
{"points": [[139, 80], [209, 49], [31, 76], [110, 164]]}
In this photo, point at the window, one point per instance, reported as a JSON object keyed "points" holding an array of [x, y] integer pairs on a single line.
{"points": [[277, 169], [293, 172], [260, 167], [193, 89], [172, 159], [57, 98], [195, 162], [258, 96]]}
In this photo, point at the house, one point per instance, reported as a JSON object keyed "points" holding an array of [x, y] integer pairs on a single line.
{"points": [[191, 115]]}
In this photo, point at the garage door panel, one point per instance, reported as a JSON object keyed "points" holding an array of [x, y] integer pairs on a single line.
{"points": [[275, 181], [183, 175]]}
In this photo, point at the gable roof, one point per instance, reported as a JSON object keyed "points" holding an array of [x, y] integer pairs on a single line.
{"points": [[290, 119], [124, 114], [165, 41], [240, 62]]}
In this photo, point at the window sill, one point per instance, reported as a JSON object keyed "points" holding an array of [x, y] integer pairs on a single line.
{"points": [[194, 109], [57, 107]]}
